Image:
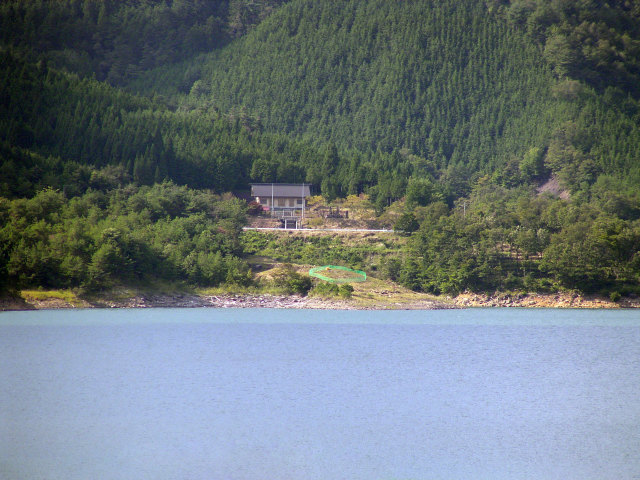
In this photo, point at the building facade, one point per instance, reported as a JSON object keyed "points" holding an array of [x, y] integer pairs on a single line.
{"points": [[282, 200]]}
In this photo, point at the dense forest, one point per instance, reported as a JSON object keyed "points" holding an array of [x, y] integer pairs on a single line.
{"points": [[88, 122], [117, 41], [126, 233], [460, 112]]}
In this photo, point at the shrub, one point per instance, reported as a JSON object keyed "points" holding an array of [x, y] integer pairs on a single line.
{"points": [[293, 282], [254, 208], [325, 290], [406, 224], [345, 290]]}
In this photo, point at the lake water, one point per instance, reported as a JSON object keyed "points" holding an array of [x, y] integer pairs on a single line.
{"points": [[207, 394]]}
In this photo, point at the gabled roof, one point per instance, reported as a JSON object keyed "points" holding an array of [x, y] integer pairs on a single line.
{"points": [[280, 190]]}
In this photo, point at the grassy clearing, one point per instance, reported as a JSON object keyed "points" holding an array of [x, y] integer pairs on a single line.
{"points": [[380, 293], [373, 293], [367, 251], [228, 290], [338, 275], [66, 296]]}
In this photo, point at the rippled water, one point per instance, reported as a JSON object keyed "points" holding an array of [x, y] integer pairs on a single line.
{"points": [[305, 395]]}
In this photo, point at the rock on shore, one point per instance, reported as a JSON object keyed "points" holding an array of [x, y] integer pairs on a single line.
{"points": [[226, 301], [535, 300], [183, 301]]}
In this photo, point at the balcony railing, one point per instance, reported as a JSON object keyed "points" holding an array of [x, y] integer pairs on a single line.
{"points": [[286, 212]]}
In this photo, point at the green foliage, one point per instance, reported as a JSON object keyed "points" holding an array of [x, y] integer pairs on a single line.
{"points": [[51, 117], [396, 103], [593, 253], [406, 224], [422, 191], [126, 235], [596, 42], [331, 290], [508, 240], [441, 79], [419, 97], [116, 41], [532, 165], [345, 290], [320, 250], [325, 290], [291, 281]]}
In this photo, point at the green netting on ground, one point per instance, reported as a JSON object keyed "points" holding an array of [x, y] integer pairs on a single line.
{"points": [[338, 274]]}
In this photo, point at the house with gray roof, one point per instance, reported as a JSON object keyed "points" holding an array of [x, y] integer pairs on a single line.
{"points": [[287, 201]]}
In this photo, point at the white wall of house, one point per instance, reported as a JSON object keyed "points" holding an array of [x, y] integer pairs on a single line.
{"points": [[283, 202]]}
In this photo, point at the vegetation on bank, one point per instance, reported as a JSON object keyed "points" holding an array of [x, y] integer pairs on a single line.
{"points": [[499, 239], [128, 234], [362, 251], [65, 296], [504, 240]]}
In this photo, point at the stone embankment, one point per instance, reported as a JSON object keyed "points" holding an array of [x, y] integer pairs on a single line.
{"points": [[218, 301]]}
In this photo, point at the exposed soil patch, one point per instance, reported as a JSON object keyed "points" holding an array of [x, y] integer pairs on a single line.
{"points": [[553, 187]]}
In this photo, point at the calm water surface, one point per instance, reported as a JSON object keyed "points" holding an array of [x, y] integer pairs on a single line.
{"points": [[204, 394]]}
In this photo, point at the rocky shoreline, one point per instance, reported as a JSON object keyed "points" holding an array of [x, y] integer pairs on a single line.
{"points": [[183, 301], [537, 300], [466, 300], [226, 301]]}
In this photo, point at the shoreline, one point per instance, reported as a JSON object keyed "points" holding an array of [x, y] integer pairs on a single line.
{"points": [[190, 300], [543, 300], [216, 301]]}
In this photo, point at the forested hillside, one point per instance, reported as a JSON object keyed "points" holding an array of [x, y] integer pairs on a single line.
{"points": [[592, 41], [444, 80], [117, 41], [460, 113], [92, 124], [74, 156], [459, 84]]}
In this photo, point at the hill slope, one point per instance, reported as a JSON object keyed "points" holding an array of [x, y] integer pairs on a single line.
{"points": [[444, 79], [117, 41], [93, 124], [455, 82]]}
